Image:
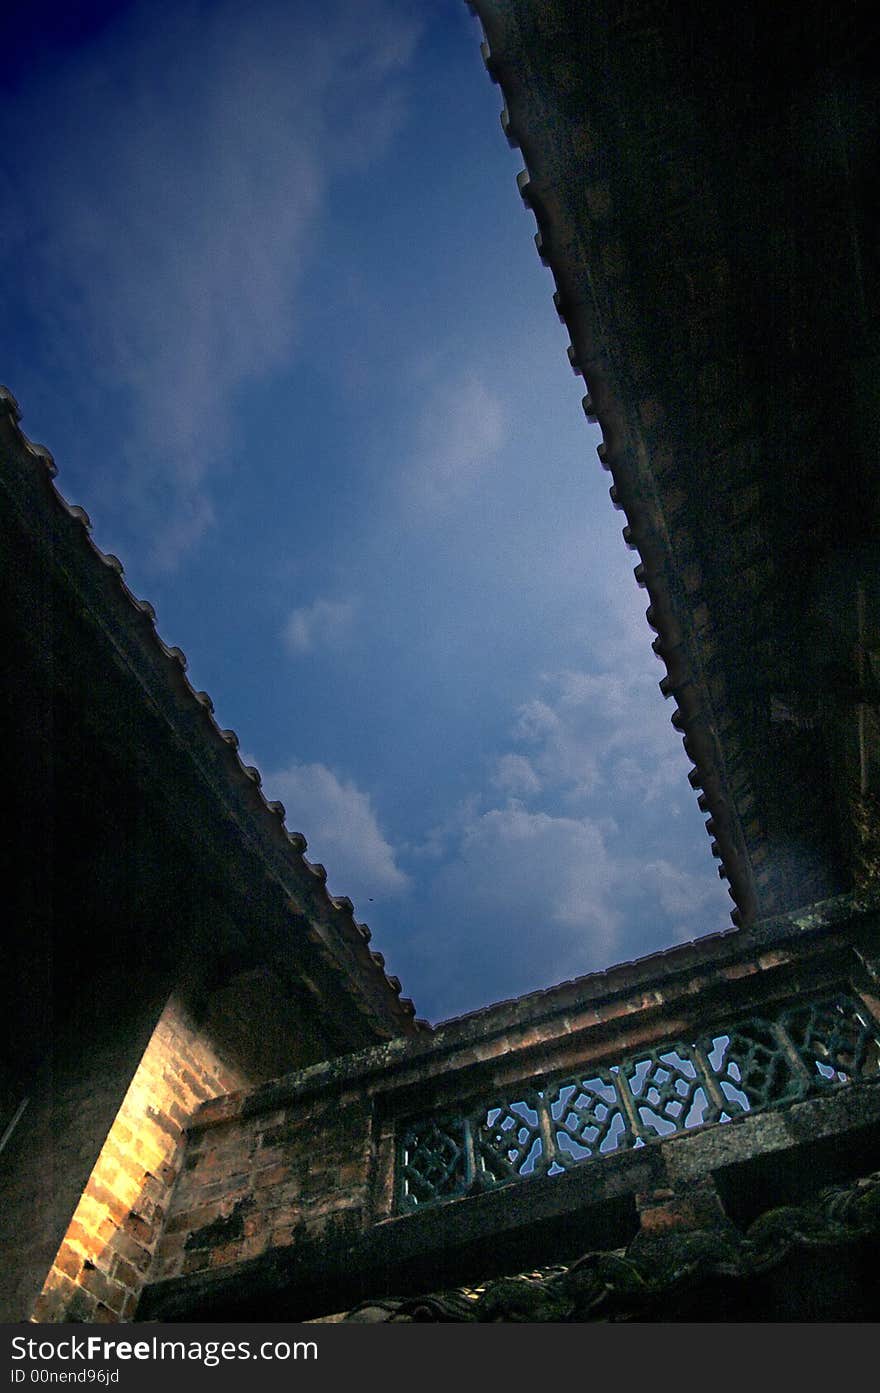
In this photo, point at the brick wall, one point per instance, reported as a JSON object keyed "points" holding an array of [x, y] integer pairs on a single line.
{"points": [[289, 1175], [100, 1267], [72, 1100]]}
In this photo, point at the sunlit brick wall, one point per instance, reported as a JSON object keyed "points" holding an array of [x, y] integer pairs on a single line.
{"points": [[100, 1267]]}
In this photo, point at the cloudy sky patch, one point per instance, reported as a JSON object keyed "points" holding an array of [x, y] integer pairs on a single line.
{"points": [[340, 824], [173, 238], [457, 436], [323, 623], [272, 301]]}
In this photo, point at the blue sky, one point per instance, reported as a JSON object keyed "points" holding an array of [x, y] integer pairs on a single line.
{"points": [[271, 298]]}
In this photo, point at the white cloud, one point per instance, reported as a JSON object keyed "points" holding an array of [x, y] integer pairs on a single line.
{"points": [[515, 774], [322, 624], [595, 731], [341, 827], [686, 899], [443, 838], [583, 865], [173, 203], [457, 436], [524, 900], [557, 866]]}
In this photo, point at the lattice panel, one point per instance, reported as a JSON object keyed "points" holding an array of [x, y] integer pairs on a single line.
{"points": [[668, 1091], [833, 1041], [543, 1129], [753, 1067], [587, 1119], [509, 1143], [433, 1162]]}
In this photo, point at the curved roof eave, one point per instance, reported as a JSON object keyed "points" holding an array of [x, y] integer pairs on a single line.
{"points": [[334, 934]]}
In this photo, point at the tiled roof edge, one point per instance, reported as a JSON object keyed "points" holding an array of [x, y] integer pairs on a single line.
{"points": [[693, 714], [811, 924], [341, 909]]}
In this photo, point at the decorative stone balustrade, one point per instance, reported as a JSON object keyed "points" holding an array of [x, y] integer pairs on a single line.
{"points": [[548, 1126], [725, 1076]]}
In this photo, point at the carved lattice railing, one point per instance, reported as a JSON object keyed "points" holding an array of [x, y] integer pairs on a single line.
{"points": [[546, 1126]]}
